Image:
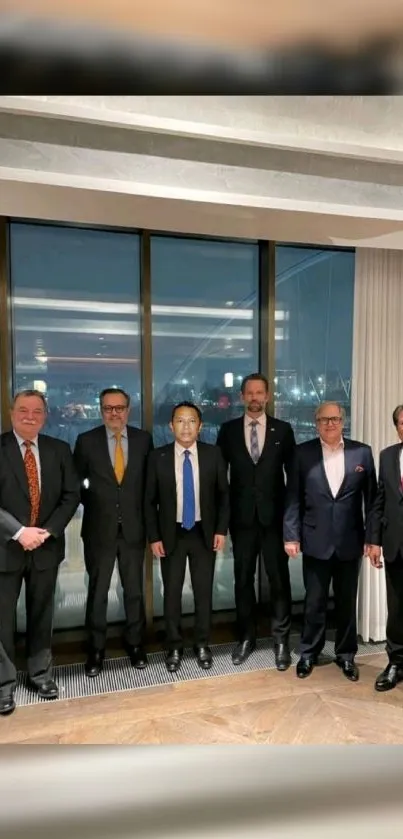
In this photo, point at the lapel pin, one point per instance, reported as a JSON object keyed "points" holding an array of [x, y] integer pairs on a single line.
{"points": [[359, 469]]}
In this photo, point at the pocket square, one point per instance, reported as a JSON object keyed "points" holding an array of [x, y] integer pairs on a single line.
{"points": [[277, 443], [359, 469]]}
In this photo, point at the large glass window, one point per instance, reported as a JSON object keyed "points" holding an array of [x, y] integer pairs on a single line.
{"points": [[75, 309], [314, 337], [205, 339]]}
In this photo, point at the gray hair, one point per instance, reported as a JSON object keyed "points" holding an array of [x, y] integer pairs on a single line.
{"points": [[30, 392], [325, 405]]}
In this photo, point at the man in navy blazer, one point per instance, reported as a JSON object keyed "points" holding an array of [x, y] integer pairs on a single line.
{"points": [[333, 480]]}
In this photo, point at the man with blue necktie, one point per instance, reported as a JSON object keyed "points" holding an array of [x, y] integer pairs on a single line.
{"points": [[187, 517]]}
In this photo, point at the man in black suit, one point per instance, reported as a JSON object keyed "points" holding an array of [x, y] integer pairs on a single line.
{"points": [[39, 494], [111, 463], [258, 449], [385, 530], [332, 479], [187, 514]]}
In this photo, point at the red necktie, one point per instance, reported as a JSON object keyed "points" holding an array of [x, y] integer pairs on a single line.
{"points": [[33, 482]]}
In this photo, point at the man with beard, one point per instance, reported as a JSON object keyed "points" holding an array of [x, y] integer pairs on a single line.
{"points": [[258, 450]]}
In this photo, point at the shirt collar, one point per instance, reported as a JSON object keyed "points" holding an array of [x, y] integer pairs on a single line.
{"points": [[328, 448], [111, 434], [259, 420], [21, 440], [180, 449]]}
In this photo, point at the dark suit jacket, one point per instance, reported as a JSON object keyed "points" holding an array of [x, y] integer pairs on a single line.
{"points": [[257, 490], [322, 524], [104, 501], [60, 497], [160, 498], [385, 523]]}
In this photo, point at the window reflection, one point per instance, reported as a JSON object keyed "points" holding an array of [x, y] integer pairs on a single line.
{"points": [[205, 340], [314, 303], [75, 308]]}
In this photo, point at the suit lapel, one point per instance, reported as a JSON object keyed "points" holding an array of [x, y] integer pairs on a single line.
{"points": [[395, 464], [319, 454], [16, 462], [240, 438], [105, 456], [168, 458], [202, 474], [269, 437], [130, 454], [47, 464], [347, 454]]}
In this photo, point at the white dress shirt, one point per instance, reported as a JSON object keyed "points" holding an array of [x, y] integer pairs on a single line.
{"points": [[35, 452], [401, 464], [179, 460], [333, 460], [260, 429]]}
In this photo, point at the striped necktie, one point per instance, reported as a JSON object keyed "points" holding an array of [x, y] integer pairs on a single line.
{"points": [[254, 442]]}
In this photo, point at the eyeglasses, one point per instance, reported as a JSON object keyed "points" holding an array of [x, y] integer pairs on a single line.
{"points": [[107, 409], [327, 420]]}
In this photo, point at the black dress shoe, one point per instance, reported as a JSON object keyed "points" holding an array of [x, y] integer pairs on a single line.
{"points": [[7, 704], [243, 651], [94, 663], [349, 669], [138, 657], [283, 657], [204, 657], [174, 660], [389, 678], [305, 667], [47, 689]]}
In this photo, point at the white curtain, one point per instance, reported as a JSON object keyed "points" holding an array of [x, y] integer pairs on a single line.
{"points": [[377, 387]]}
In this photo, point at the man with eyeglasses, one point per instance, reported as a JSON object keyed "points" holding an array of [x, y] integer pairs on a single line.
{"points": [[111, 462], [332, 479], [187, 515]]}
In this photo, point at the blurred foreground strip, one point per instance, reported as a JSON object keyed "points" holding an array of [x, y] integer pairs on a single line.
{"points": [[253, 24], [40, 54], [200, 791]]}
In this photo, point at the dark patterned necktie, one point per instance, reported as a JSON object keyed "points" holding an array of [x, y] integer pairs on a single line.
{"points": [[33, 482], [254, 442]]}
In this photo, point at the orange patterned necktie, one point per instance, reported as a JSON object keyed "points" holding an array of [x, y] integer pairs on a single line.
{"points": [[33, 482], [119, 465]]}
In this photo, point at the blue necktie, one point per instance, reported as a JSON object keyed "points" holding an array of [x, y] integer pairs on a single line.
{"points": [[189, 503]]}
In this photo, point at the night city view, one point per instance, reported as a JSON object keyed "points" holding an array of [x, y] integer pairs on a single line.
{"points": [[76, 329]]}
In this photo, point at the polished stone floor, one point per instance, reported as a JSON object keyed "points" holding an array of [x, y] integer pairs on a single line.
{"points": [[259, 707]]}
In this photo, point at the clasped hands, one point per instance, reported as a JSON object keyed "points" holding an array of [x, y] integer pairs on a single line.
{"points": [[373, 552], [33, 537]]}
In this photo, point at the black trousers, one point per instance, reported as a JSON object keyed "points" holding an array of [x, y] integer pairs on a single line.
{"points": [[190, 545], [39, 595], [99, 565], [394, 625], [318, 574], [247, 543]]}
